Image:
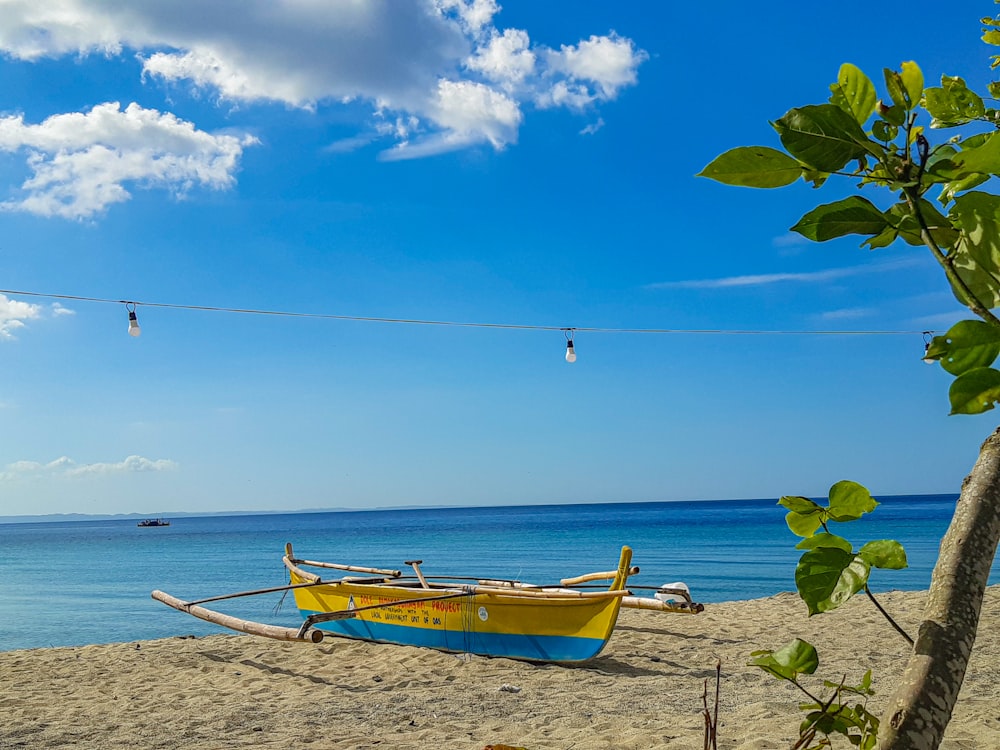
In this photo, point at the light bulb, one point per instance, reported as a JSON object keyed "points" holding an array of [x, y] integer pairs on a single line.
{"points": [[570, 352], [133, 324], [928, 340]]}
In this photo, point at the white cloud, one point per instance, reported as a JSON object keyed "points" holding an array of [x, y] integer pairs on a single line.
{"points": [[347, 145], [595, 70], [473, 14], [65, 467], [30, 30], [790, 239], [766, 279], [130, 465], [506, 59], [81, 162], [848, 313], [473, 110], [441, 63], [13, 313], [762, 279], [207, 71], [593, 127]]}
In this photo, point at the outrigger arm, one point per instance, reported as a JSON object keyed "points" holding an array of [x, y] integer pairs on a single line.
{"points": [[278, 632]]}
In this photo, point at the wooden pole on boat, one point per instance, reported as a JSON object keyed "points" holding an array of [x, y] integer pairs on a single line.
{"points": [[289, 553], [607, 576], [234, 623], [416, 569]]}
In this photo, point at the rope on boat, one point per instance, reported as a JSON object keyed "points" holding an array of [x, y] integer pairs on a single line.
{"points": [[286, 588]]}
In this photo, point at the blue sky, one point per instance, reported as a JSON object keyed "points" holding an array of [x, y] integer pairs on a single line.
{"points": [[531, 165]]}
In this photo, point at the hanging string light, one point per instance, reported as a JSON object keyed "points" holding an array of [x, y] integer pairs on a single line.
{"points": [[134, 329], [133, 322], [928, 335], [570, 351]]}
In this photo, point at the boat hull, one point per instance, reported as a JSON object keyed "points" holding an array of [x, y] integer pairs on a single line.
{"points": [[549, 628], [544, 630]]}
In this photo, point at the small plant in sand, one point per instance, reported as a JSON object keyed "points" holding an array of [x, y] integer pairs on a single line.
{"points": [[833, 715], [829, 573], [931, 198]]}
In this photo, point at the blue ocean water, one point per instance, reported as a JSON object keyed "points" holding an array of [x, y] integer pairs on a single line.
{"points": [[81, 582]]}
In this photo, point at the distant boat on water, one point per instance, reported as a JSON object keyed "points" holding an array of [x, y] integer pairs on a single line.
{"points": [[153, 522]]}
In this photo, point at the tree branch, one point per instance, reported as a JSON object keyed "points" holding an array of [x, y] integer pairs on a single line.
{"points": [[946, 261], [921, 707]]}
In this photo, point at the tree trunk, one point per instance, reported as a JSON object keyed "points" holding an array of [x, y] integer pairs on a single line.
{"points": [[921, 706]]}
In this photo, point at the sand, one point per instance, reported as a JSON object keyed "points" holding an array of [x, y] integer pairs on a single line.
{"points": [[643, 691]]}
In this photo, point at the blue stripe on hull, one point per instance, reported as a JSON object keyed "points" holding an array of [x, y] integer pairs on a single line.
{"points": [[553, 648]]}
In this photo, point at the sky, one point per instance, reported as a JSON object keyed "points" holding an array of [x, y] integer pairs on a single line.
{"points": [[510, 163]]}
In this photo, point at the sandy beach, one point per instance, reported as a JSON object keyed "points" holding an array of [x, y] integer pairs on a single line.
{"points": [[643, 691]]}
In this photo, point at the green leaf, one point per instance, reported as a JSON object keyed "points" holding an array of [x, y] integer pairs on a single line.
{"points": [[953, 187], [802, 524], [983, 158], [827, 577], [853, 215], [953, 103], [835, 720], [753, 166], [884, 553], [894, 115], [902, 218], [825, 539], [788, 662], [799, 504], [882, 239], [849, 501], [883, 131], [976, 255], [968, 345], [894, 85], [866, 683], [913, 81], [816, 178], [901, 224], [822, 136], [854, 93], [940, 165], [975, 391]]}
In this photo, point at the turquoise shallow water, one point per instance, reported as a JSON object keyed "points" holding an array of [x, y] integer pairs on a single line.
{"points": [[81, 582]]}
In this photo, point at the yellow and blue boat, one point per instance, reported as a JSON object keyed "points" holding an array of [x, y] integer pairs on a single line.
{"points": [[490, 618], [563, 623]]}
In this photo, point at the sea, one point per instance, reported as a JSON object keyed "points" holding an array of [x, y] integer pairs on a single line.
{"points": [[73, 583]]}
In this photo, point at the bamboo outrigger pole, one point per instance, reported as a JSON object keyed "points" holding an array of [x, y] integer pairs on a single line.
{"points": [[606, 576], [308, 635]]}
